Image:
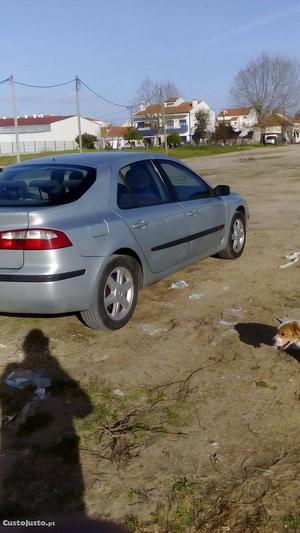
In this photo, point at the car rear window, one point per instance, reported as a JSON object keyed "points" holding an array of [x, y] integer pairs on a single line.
{"points": [[41, 184]]}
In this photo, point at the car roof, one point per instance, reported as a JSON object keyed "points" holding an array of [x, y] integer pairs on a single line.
{"points": [[95, 159]]}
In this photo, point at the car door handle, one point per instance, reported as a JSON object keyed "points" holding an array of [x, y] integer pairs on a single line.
{"points": [[192, 213], [140, 224]]}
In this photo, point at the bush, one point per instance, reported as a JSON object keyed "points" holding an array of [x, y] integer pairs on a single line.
{"points": [[173, 140], [88, 141]]}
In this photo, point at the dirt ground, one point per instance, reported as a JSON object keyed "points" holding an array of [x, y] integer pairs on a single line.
{"points": [[187, 419]]}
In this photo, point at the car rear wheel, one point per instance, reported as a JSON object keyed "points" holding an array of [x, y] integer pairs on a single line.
{"points": [[115, 299], [236, 239]]}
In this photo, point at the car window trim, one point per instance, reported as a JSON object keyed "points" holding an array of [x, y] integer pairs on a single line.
{"points": [[171, 187], [135, 198]]}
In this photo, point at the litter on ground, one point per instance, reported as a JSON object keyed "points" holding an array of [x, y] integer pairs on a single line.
{"points": [[293, 258], [152, 331], [196, 295], [21, 378], [181, 284], [236, 310], [226, 323], [118, 392]]}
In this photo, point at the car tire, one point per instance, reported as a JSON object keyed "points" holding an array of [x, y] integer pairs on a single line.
{"points": [[116, 295], [236, 239]]}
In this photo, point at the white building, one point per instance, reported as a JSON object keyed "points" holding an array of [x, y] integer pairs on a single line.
{"points": [[113, 137], [41, 133], [180, 117], [240, 118]]}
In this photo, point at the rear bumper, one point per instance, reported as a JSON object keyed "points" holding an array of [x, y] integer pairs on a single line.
{"points": [[49, 293], [26, 278]]}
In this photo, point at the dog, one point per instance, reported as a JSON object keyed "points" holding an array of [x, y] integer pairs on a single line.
{"points": [[288, 333]]}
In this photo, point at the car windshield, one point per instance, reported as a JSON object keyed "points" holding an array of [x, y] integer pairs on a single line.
{"points": [[44, 184]]}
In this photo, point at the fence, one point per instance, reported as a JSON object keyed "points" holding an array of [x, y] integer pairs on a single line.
{"points": [[31, 147]]}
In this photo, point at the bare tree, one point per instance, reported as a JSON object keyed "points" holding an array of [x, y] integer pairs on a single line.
{"points": [[268, 85], [169, 88], [149, 90]]}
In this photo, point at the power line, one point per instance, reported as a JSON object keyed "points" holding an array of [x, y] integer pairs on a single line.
{"points": [[113, 114], [128, 107], [103, 97], [46, 86]]}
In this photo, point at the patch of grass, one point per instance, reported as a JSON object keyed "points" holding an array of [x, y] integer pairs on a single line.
{"points": [[182, 152], [186, 151], [6, 160], [132, 523], [181, 510], [264, 385], [291, 521], [292, 300], [183, 485], [120, 427], [184, 517]]}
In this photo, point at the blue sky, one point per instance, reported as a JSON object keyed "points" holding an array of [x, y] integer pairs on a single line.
{"points": [[114, 44]]}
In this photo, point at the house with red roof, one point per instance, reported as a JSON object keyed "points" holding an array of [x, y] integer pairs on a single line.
{"points": [[283, 128], [180, 117], [240, 118], [114, 137], [40, 133]]}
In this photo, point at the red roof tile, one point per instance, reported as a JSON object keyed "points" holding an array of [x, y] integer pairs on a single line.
{"points": [[155, 109], [114, 131], [31, 121], [234, 111]]}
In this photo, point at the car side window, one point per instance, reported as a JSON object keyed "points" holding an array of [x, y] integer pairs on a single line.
{"points": [[140, 185], [187, 185]]}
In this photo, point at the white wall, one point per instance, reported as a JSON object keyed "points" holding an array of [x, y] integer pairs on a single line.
{"points": [[60, 137], [62, 130]]}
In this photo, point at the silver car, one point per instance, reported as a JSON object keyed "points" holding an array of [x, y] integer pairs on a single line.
{"points": [[83, 233]]}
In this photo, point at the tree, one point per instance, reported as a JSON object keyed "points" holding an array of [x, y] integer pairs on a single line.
{"points": [[173, 140], [202, 120], [132, 133], [269, 85], [88, 141], [149, 90], [152, 92], [224, 132]]}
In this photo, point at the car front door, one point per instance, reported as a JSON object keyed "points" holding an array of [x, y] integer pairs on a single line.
{"points": [[158, 223], [206, 214]]}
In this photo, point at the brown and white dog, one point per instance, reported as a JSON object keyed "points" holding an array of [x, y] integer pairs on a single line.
{"points": [[288, 333]]}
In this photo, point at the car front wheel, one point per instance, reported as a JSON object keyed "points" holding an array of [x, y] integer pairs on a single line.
{"points": [[115, 299], [236, 239]]}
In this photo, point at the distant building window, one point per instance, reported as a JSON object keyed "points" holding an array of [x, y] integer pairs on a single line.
{"points": [[182, 122], [170, 123], [141, 124]]}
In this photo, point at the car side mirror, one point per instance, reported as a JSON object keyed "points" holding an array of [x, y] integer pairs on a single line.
{"points": [[221, 190]]}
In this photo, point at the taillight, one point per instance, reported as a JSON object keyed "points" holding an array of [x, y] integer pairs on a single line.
{"points": [[33, 239]]}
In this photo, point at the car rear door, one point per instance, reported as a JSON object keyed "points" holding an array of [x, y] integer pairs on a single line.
{"points": [[206, 214], [157, 222]]}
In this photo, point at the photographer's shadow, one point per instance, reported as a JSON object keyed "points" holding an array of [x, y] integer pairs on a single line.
{"points": [[40, 467]]}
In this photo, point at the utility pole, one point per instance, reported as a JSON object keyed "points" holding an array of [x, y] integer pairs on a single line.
{"points": [[130, 108], [13, 89], [77, 86], [163, 120]]}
